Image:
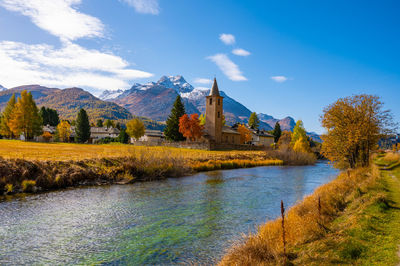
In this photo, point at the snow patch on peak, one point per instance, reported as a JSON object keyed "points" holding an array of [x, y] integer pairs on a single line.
{"points": [[196, 94], [110, 94]]}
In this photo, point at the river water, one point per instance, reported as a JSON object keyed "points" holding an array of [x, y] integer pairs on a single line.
{"points": [[183, 220]]}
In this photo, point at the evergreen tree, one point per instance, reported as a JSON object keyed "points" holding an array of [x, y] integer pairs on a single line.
{"points": [[123, 136], [171, 131], [82, 128], [99, 123], [277, 132], [118, 125], [5, 118], [254, 122], [109, 123], [26, 119], [49, 116]]}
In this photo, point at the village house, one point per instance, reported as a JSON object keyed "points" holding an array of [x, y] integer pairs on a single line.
{"points": [[261, 138], [97, 133], [152, 136]]}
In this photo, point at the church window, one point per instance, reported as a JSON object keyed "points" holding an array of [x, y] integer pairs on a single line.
{"points": [[219, 101], [219, 114], [210, 101]]}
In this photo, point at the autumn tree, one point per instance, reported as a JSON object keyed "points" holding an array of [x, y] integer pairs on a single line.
{"points": [[302, 145], [47, 136], [254, 122], [202, 119], [25, 118], [277, 132], [82, 128], [285, 140], [171, 131], [190, 127], [353, 127], [5, 118], [64, 131], [298, 132], [245, 134], [135, 128]]}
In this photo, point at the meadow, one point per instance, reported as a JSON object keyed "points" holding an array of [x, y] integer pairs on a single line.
{"points": [[355, 219], [33, 167]]}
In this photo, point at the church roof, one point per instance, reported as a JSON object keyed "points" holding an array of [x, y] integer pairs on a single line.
{"points": [[214, 90]]}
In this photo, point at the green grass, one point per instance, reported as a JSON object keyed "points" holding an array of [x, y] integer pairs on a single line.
{"points": [[367, 232]]}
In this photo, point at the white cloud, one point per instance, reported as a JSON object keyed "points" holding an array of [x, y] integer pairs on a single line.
{"points": [[58, 17], [227, 38], [279, 79], [71, 65], [229, 68], [203, 81], [240, 52], [145, 6]]}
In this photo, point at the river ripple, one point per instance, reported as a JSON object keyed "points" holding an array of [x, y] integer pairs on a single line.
{"points": [[182, 220]]}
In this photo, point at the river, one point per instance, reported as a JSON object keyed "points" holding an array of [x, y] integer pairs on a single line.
{"points": [[182, 220]]}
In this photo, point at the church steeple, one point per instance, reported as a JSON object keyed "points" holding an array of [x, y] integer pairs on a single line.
{"points": [[214, 113], [214, 90]]}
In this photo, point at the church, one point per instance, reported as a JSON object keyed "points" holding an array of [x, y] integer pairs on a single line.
{"points": [[214, 128]]}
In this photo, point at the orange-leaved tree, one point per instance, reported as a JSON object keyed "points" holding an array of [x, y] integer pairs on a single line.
{"points": [[190, 127], [245, 133]]}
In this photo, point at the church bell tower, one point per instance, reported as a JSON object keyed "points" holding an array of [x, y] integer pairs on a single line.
{"points": [[214, 111]]}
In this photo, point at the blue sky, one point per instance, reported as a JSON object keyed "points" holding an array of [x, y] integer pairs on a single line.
{"points": [[276, 57]]}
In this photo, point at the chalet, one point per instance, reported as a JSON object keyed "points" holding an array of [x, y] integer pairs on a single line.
{"points": [[97, 133], [261, 138], [153, 136]]}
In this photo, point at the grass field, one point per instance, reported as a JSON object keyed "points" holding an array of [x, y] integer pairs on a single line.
{"points": [[14, 149]]}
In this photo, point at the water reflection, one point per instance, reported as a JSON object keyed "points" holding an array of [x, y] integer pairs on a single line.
{"points": [[184, 220]]}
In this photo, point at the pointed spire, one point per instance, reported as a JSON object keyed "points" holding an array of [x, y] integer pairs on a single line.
{"points": [[214, 90]]}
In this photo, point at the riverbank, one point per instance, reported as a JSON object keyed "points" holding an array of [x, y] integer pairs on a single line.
{"points": [[36, 167], [354, 219]]}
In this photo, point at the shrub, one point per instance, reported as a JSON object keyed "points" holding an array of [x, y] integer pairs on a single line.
{"points": [[28, 185], [9, 188]]}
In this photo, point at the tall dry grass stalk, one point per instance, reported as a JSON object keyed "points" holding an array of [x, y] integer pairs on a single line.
{"points": [[306, 221]]}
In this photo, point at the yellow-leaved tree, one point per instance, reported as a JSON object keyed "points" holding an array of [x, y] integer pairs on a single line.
{"points": [[64, 131], [302, 145], [135, 128], [25, 118], [5, 118], [353, 127]]}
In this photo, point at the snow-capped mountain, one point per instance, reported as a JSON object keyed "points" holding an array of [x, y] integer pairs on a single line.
{"points": [[178, 83], [155, 100], [2, 88]]}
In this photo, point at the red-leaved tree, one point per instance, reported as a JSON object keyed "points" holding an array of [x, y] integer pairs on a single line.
{"points": [[190, 127]]}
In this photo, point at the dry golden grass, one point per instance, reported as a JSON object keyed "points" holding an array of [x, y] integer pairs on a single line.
{"points": [[13, 149], [303, 223], [391, 157]]}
